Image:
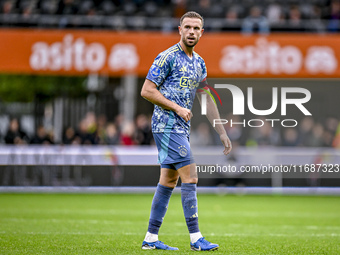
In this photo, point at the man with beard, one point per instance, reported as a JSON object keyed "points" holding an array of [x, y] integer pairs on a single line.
{"points": [[171, 85]]}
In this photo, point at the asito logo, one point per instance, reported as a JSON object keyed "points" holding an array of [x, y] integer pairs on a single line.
{"points": [[238, 105]]}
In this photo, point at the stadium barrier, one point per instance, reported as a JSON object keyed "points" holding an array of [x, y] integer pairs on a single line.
{"points": [[61, 168]]}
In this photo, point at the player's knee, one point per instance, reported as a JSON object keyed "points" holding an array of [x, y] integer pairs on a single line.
{"points": [[171, 183], [191, 180]]}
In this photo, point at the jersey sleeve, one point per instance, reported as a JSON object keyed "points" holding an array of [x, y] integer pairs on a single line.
{"points": [[203, 84], [160, 68], [204, 72]]}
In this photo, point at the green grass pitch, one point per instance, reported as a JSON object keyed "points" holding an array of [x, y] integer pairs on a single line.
{"points": [[116, 224]]}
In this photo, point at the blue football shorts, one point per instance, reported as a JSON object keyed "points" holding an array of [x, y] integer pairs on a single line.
{"points": [[173, 150]]}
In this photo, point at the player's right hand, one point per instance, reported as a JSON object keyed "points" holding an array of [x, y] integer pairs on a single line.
{"points": [[185, 113]]}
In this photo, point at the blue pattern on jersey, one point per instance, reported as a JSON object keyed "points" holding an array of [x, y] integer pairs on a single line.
{"points": [[177, 78]]}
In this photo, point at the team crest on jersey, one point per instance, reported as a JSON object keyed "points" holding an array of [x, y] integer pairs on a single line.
{"points": [[182, 151], [155, 71]]}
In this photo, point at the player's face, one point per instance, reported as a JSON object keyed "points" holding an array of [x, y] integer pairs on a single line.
{"points": [[191, 30]]}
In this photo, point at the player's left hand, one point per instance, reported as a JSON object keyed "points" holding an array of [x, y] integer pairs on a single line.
{"points": [[226, 143]]}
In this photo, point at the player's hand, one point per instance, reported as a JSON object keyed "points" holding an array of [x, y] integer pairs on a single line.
{"points": [[185, 113], [226, 143]]}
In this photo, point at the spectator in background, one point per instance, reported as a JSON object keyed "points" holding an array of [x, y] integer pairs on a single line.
{"points": [[41, 137], [305, 130], [101, 128], [294, 15], [26, 14], [264, 135], [127, 135], [231, 16], [7, 7], [14, 134], [334, 17], [294, 19], [203, 7], [84, 136], [330, 131], [316, 139], [111, 136], [69, 135], [201, 136], [290, 137], [275, 13], [316, 23], [255, 22], [67, 7], [143, 130]]}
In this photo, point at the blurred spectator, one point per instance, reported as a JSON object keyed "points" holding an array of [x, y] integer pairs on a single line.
{"points": [[47, 6], [14, 134], [264, 135], [334, 16], [91, 122], [294, 16], [7, 7], [331, 125], [290, 137], [101, 126], [95, 130], [69, 135], [316, 23], [67, 7], [316, 139], [327, 138], [143, 130], [84, 135], [202, 135], [275, 13], [294, 19], [111, 136], [127, 135], [203, 7], [231, 16], [305, 130], [255, 22], [41, 137]]}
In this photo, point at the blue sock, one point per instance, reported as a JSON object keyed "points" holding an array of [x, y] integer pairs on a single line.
{"points": [[159, 207], [189, 203]]}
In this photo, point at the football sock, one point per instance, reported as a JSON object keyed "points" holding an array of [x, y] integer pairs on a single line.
{"points": [[189, 204], [159, 207], [195, 236], [150, 238]]}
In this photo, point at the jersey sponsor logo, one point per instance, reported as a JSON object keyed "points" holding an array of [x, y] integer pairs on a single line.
{"points": [[187, 82], [155, 71]]}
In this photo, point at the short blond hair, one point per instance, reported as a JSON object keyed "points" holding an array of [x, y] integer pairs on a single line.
{"points": [[191, 14]]}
